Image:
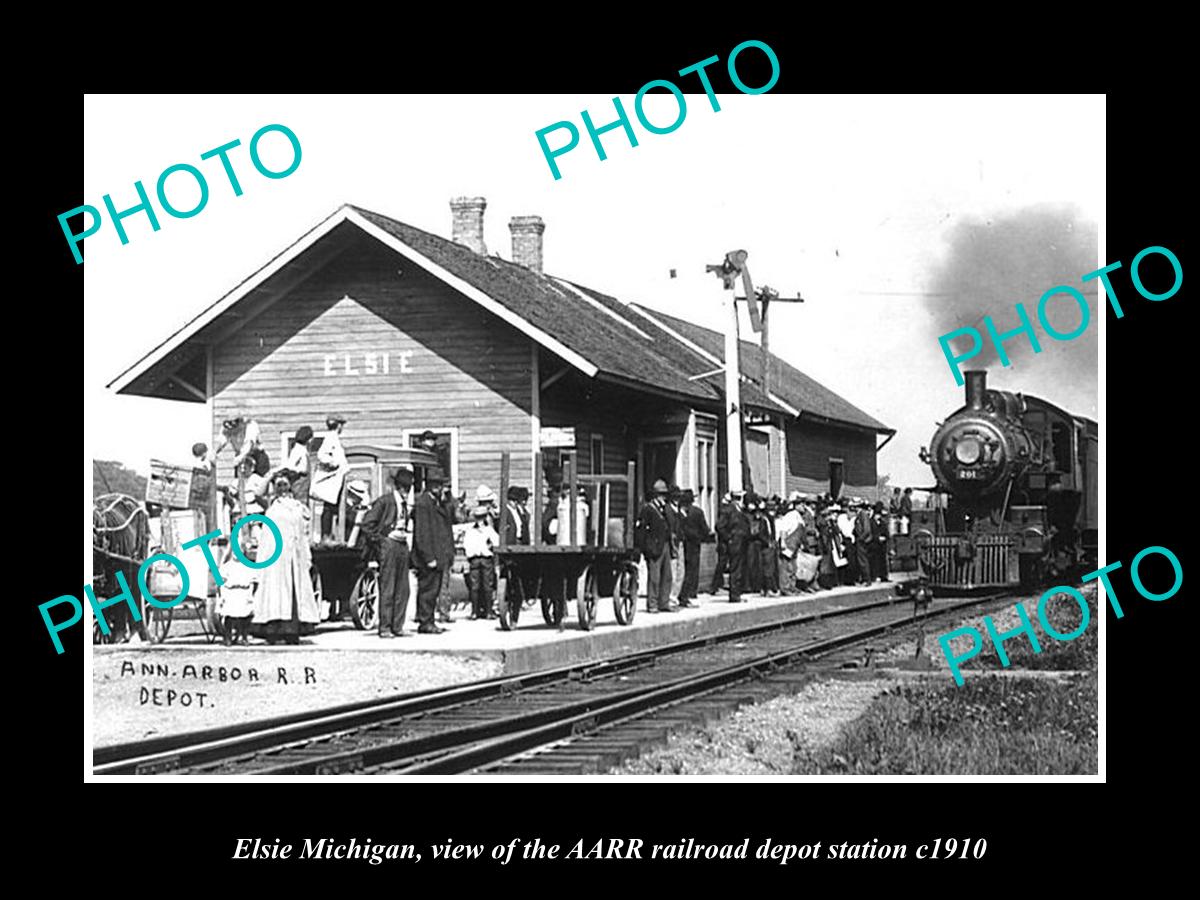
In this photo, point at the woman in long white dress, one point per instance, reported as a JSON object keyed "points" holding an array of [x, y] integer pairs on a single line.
{"points": [[285, 607]]}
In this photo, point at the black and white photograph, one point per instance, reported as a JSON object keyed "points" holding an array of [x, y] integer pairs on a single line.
{"points": [[525, 437]]}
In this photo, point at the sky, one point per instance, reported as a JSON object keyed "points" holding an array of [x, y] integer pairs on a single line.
{"points": [[896, 218]]}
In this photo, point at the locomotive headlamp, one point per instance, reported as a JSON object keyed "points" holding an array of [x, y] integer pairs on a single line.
{"points": [[968, 451]]}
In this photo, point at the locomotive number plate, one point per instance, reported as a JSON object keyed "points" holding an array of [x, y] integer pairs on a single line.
{"points": [[967, 474]]}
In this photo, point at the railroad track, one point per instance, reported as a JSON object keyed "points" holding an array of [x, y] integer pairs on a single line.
{"points": [[568, 720]]}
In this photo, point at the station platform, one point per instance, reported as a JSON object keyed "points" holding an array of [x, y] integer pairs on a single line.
{"points": [[186, 683], [534, 645]]}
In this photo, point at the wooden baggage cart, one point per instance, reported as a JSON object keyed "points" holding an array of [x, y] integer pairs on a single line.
{"points": [[556, 573]]}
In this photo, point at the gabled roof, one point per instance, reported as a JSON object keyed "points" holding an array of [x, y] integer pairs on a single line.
{"points": [[593, 332], [597, 328]]}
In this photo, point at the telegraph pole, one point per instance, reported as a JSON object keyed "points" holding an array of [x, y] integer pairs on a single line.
{"points": [[733, 397], [733, 268], [728, 271]]}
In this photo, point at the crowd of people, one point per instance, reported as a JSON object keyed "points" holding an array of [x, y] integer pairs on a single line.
{"points": [[276, 603], [399, 531], [765, 546]]}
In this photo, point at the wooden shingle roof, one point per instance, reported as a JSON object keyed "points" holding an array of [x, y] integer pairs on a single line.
{"points": [[809, 396]]}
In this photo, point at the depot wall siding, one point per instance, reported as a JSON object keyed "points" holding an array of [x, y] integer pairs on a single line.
{"points": [[811, 445], [321, 348]]}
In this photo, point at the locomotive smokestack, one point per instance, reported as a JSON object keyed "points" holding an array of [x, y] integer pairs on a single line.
{"points": [[976, 387]]}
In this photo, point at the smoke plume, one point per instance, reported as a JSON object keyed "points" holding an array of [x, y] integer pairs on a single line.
{"points": [[989, 266]]}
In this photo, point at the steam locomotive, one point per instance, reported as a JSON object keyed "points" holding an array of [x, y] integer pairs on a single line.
{"points": [[1015, 501]]}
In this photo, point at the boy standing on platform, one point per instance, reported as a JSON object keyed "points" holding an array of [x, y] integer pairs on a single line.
{"points": [[479, 544]]}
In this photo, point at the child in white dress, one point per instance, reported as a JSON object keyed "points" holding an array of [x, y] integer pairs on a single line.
{"points": [[237, 595]]}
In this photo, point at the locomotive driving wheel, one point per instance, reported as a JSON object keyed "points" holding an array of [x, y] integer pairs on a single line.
{"points": [[510, 596], [585, 599], [625, 595]]}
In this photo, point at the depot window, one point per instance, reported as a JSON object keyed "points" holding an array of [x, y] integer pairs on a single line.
{"points": [[445, 448]]}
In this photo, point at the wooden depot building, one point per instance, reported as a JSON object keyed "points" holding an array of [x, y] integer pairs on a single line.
{"points": [[401, 331]]}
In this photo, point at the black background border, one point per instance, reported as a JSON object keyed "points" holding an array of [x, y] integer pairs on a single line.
{"points": [[160, 830]]}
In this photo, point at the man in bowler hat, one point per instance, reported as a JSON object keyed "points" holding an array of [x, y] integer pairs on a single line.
{"points": [[695, 530], [386, 528], [652, 536], [737, 539]]}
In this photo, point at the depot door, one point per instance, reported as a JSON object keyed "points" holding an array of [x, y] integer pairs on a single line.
{"points": [[758, 462], [836, 473]]}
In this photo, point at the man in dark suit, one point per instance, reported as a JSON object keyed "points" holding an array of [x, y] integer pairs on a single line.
{"points": [[514, 523], [523, 511], [905, 510], [863, 542], [432, 534], [386, 530], [675, 524], [514, 527], [695, 530], [722, 545], [652, 536], [737, 537], [879, 533]]}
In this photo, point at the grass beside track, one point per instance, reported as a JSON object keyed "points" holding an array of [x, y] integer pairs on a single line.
{"points": [[989, 726], [992, 725], [1078, 655]]}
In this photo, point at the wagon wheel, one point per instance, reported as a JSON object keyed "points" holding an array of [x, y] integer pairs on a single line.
{"points": [[625, 595], [510, 595], [585, 599], [323, 606], [364, 599], [98, 636], [155, 623]]}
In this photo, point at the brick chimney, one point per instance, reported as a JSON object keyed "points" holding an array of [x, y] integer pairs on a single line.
{"points": [[467, 222], [527, 241]]}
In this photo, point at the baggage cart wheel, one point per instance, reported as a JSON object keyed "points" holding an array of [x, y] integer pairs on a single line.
{"points": [[364, 599], [323, 606], [510, 596], [625, 595], [585, 599], [155, 622]]}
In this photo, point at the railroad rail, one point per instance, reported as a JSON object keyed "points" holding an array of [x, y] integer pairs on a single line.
{"points": [[481, 724]]}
